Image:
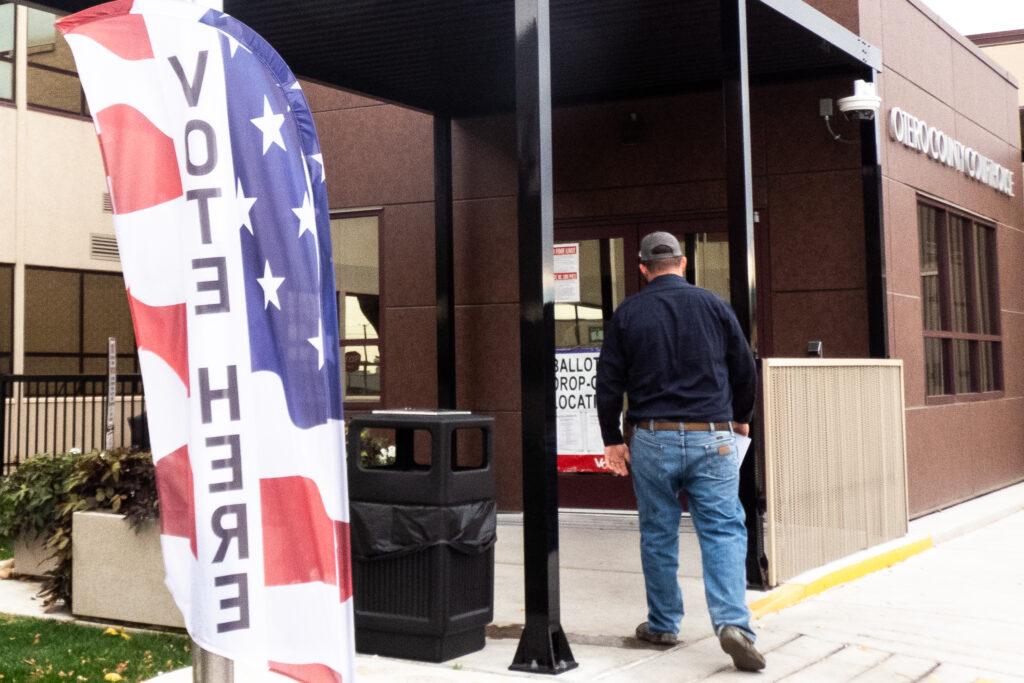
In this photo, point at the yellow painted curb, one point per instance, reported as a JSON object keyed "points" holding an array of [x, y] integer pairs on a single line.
{"points": [[786, 595], [790, 594]]}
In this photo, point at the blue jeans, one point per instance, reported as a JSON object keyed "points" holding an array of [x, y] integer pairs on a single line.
{"points": [[706, 466]]}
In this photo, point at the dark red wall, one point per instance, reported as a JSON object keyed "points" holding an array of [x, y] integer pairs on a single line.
{"points": [[956, 451], [807, 192]]}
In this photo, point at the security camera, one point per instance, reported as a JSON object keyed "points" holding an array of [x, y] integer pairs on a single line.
{"points": [[863, 104]]}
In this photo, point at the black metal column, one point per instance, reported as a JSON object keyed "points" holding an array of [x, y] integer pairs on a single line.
{"points": [[607, 284], [690, 251], [874, 238], [543, 647], [742, 280], [445, 261], [739, 168]]}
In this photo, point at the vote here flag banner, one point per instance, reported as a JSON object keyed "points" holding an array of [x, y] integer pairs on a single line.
{"points": [[220, 209]]}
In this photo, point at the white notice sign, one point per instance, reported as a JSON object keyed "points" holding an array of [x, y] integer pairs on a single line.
{"points": [[567, 273], [580, 447]]}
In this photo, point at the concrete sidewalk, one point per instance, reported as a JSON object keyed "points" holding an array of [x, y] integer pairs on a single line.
{"points": [[950, 613]]}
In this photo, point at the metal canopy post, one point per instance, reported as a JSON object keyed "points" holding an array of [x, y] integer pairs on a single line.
{"points": [[740, 217], [445, 261], [874, 237], [543, 647], [739, 168]]}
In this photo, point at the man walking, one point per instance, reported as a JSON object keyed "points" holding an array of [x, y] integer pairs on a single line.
{"points": [[678, 353]]}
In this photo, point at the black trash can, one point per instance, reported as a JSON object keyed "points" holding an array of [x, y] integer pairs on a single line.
{"points": [[423, 533], [139, 426]]}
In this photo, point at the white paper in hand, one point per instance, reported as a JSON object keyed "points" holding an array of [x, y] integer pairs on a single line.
{"points": [[742, 446]]}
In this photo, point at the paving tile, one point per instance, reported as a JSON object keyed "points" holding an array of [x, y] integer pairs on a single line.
{"points": [[20, 598], [594, 660], [786, 660], [844, 665], [954, 673], [951, 604], [898, 669], [692, 662]]}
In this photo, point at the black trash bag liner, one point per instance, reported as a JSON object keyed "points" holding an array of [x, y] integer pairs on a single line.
{"points": [[381, 530]]}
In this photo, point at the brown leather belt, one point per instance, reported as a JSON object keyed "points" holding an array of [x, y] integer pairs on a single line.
{"points": [[661, 426]]}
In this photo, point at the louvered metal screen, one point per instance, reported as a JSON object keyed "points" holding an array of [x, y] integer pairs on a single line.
{"points": [[835, 460]]}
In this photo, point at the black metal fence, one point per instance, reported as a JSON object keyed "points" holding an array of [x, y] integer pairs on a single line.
{"points": [[56, 413]]}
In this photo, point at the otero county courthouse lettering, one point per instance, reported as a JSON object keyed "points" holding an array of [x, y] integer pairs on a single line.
{"points": [[918, 135], [939, 286]]}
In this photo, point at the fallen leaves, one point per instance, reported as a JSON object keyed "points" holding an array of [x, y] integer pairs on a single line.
{"points": [[34, 651], [111, 631]]}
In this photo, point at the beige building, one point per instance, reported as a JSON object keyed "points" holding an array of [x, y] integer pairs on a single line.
{"points": [[61, 294], [1007, 48]]}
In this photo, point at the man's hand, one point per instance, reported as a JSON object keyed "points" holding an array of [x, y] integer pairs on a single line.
{"points": [[615, 459], [741, 428]]}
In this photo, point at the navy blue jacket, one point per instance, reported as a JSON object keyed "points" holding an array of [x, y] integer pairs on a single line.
{"points": [[678, 352]]}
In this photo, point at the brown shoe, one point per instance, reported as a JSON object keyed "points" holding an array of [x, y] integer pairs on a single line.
{"points": [[737, 645], [656, 637]]}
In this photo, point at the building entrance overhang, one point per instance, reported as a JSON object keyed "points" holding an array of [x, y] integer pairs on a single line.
{"points": [[457, 57]]}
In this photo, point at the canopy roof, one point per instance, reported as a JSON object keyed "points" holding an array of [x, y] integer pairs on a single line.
{"points": [[456, 57]]}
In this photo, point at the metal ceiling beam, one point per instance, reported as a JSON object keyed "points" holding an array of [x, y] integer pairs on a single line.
{"points": [[828, 30]]}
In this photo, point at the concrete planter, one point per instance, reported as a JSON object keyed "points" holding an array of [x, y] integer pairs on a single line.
{"points": [[31, 558], [118, 574]]}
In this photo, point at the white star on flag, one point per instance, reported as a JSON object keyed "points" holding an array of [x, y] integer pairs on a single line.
{"points": [[307, 217], [270, 125], [319, 158], [270, 285], [244, 206], [233, 44], [318, 343]]}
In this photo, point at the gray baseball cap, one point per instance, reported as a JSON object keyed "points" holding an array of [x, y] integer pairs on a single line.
{"points": [[659, 239]]}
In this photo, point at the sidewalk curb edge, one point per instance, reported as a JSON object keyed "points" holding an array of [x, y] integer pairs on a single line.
{"points": [[789, 594], [792, 593]]}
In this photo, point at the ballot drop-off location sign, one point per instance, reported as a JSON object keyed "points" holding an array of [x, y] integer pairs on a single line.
{"points": [[580, 448]]}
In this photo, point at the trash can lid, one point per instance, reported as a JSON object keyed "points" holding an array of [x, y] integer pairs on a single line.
{"points": [[417, 411]]}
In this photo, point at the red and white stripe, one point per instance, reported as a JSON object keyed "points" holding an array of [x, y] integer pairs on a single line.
{"points": [[294, 482]]}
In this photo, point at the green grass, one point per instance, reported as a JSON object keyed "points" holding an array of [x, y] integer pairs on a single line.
{"points": [[5, 549], [47, 650]]}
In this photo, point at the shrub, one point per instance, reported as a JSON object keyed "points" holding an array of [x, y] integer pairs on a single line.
{"points": [[32, 494], [376, 449], [45, 492]]}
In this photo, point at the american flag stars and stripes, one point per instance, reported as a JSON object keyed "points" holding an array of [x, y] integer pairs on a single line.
{"points": [[220, 205]]}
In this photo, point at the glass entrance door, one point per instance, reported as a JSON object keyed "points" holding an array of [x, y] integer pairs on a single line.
{"points": [[595, 270], [602, 287], [607, 272], [707, 261]]}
